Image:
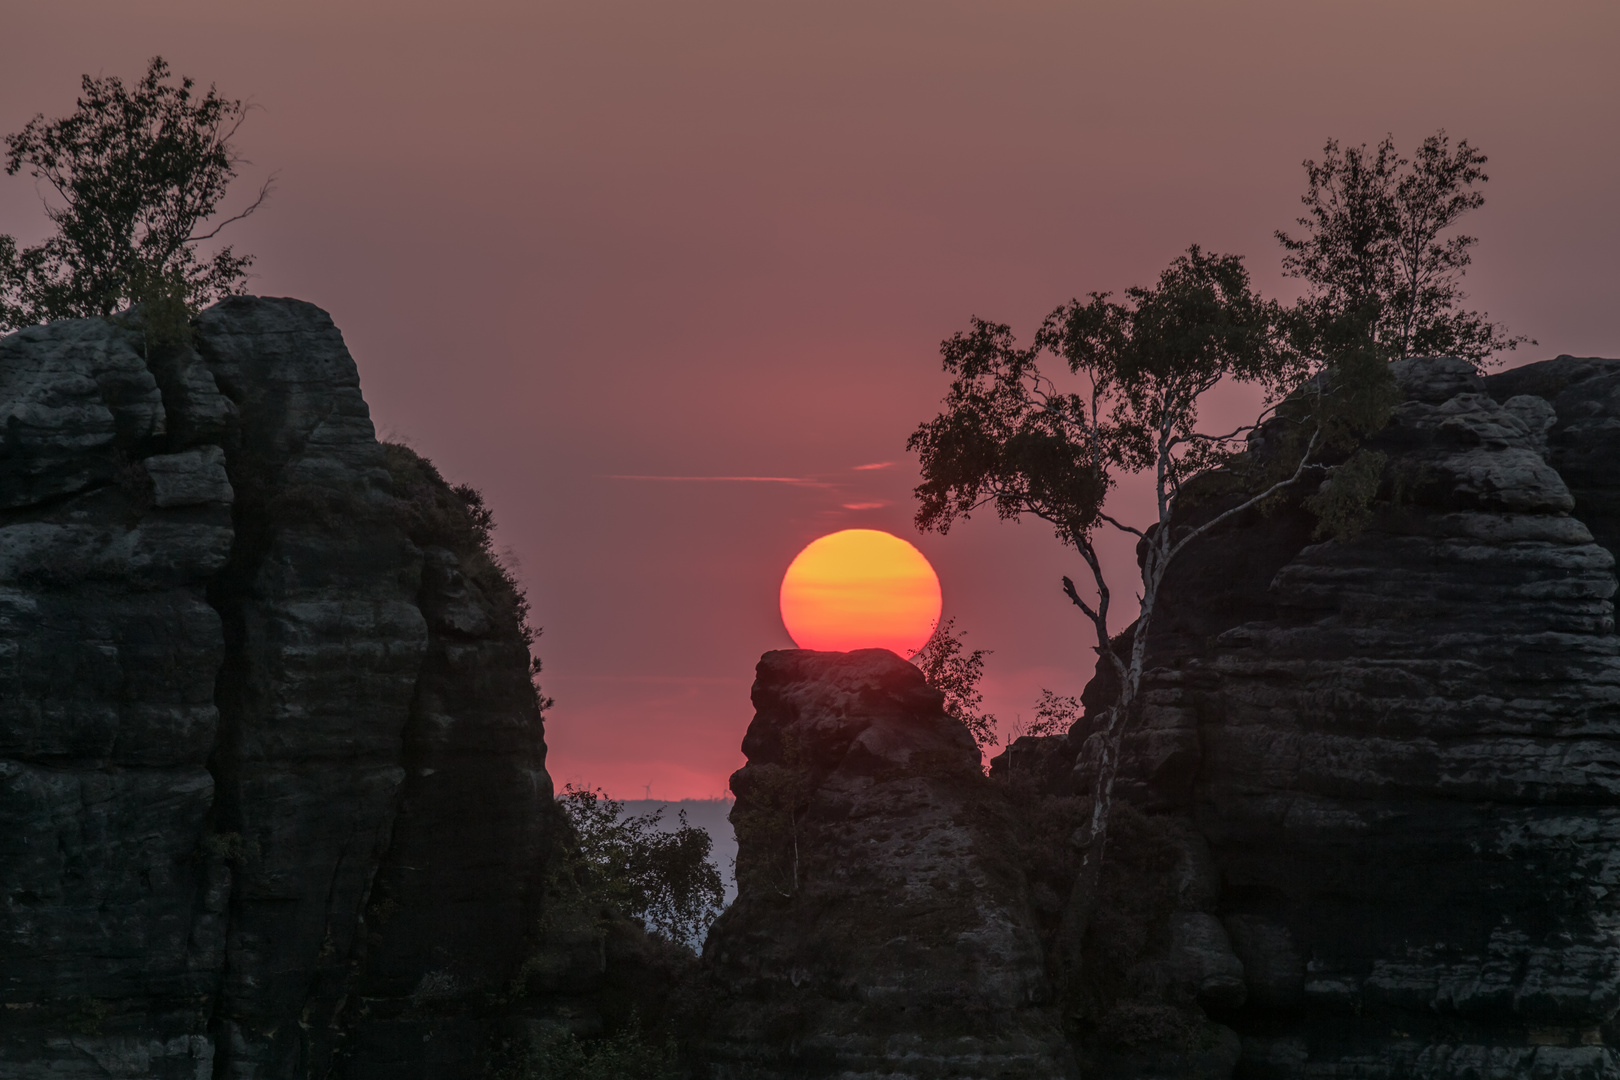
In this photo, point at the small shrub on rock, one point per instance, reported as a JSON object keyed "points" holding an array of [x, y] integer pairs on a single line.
{"points": [[664, 880], [558, 1054]]}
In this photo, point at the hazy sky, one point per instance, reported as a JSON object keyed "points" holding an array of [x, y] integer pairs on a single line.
{"points": [[570, 242]]}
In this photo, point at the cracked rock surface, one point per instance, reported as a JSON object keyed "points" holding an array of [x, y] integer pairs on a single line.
{"points": [[881, 927], [269, 766], [1403, 747]]}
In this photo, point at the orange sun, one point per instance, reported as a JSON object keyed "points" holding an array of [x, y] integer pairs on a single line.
{"points": [[860, 589]]}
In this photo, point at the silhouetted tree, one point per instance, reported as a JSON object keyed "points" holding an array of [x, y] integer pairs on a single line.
{"points": [[134, 177], [955, 672], [1373, 255], [1054, 715], [1010, 438], [662, 878]]}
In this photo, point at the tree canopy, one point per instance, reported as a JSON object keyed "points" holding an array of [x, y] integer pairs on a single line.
{"points": [[1373, 251], [1383, 282], [1009, 437], [132, 180]]}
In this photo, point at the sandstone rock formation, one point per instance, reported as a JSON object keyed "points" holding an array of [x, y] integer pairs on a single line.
{"points": [[273, 800], [1401, 746], [882, 925], [108, 652]]}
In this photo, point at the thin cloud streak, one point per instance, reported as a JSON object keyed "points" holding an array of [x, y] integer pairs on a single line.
{"points": [[706, 680], [874, 465], [865, 505], [796, 481]]}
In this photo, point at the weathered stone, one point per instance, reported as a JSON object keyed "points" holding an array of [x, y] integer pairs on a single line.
{"points": [[73, 395], [456, 900], [1402, 746], [320, 593], [273, 801], [1436, 379], [1583, 442], [881, 928], [111, 928], [192, 478], [1273, 970]]}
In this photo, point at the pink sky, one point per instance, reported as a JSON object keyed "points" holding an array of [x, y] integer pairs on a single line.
{"points": [[574, 242]]}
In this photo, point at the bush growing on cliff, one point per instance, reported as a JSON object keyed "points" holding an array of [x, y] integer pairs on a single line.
{"points": [[949, 668], [955, 672], [663, 879], [136, 174], [558, 1054], [1372, 253], [1054, 715], [454, 517]]}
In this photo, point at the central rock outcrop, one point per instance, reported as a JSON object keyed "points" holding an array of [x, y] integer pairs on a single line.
{"points": [[882, 925]]}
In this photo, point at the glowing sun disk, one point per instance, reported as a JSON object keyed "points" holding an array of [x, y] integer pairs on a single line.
{"points": [[860, 589]]}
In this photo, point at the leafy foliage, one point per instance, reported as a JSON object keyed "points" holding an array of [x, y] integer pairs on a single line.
{"points": [[1149, 362], [1054, 715], [1008, 437], [663, 879], [1343, 504], [135, 174], [956, 674], [1321, 425], [1373, 254], [557, 1054], [455, 517]]}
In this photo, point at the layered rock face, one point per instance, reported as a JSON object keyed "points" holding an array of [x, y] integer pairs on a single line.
{"points": [[1401, 747], [110, 531], [272, 789], [882, 925], [1409, 775]]}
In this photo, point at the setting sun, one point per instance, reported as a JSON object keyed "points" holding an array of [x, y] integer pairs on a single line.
{"points": [[860, 589]]}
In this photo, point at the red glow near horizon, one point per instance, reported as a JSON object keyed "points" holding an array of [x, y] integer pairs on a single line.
{"points": [[717, 245]]}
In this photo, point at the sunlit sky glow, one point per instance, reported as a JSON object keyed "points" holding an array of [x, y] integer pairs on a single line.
{"points": [[574, 240]]}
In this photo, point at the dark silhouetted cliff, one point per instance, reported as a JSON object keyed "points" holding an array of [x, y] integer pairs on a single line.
{"points": [[273, 798], [1403, 749]]}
